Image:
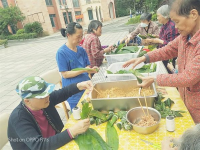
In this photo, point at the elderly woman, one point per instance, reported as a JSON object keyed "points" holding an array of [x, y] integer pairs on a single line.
{"points": [[186, 15], [70, 56], [35, 123], [168, 32], [92, 44], [190, 140], [144, 28]]}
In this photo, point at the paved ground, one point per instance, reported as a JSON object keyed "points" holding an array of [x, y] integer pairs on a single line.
{"points": [[34, 57]]}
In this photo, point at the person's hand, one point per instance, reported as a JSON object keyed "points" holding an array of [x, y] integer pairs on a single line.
{"points": [[147, 41], [96, 68], [167, 144], [134, 61], [146, 81], [108, 49], [85, 85], [127, 40], [170, 66], [79, 127]]}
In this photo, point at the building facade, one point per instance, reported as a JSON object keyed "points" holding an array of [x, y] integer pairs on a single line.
{"points": [[56, 14]]}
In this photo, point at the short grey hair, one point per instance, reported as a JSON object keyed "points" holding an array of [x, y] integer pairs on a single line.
{"points": [[190, 139], [164, 11]]}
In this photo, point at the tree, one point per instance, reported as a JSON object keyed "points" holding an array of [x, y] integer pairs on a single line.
{"points": [[9, 16], [123, 6]]}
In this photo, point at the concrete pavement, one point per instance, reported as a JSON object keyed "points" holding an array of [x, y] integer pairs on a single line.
{"points": [[36, 57]]}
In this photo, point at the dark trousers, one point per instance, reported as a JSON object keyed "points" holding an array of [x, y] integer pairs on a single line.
{"points": [[165, 62]]}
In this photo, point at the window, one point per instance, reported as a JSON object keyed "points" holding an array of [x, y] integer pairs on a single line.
{"points": [[52, 16], [88, 1], [59, 1], [76, 3], [49, 2], [90, 14], [77, 13], [70, 17], [4, 3], [64, 2], [65, 17]]}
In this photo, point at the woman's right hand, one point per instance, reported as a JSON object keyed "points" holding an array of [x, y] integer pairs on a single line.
{"points": [[134, 61], [108, 49], [80, 127]]}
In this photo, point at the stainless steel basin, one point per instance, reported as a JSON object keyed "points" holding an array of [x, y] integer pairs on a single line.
{"points": [[121, 103]]}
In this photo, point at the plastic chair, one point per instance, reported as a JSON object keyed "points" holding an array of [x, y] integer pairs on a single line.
{"points": [[4, 126], [53, 76]]}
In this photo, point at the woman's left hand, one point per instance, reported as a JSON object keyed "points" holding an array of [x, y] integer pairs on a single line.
{"points": [[146, 81], [167, 144], [85, 85]]}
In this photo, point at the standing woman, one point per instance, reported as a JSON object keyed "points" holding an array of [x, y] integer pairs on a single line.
{"points": [[186, 15], [168, 32], [92, 44], [70, 56]]}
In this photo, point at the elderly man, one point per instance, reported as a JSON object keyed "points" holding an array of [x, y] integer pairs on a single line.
{"points": [[35, 123]]}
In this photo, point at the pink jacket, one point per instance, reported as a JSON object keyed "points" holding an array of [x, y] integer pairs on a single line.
{"points": [[188, 78]]}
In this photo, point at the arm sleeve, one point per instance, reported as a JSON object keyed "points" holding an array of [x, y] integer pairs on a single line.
{"points": [[34, 140], [167, 52], [61, 95], [189, 77], [135, 32], [96, 52], [62, 62]]}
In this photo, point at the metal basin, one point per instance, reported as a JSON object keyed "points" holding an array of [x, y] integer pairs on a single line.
{"points": [[135, 113], [121, 103]]}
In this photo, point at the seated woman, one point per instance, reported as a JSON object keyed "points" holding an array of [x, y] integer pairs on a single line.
{"points": [[92, 44], [35, 123], [168, 32], [144, 28], [70, 56]]}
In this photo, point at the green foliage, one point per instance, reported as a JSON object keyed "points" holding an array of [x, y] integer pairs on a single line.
{"points": [[20, 31], [34, 27], [134, 20], [85, 111], [165, 107], [112, 138], [123, 7], [154, 17], [9, 16], [21, 36], [91, 140], [4, 42]]}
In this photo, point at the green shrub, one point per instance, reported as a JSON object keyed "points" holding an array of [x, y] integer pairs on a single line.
{"points": [[4, 42], [34, 27], [154, 17], [20, 31], [134, 20], [22, 36]]}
